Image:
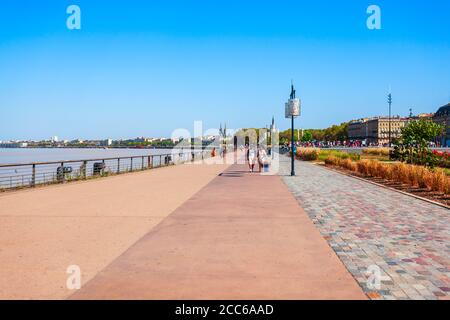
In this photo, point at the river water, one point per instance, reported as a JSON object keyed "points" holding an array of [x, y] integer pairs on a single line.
{"points": [[28, 155]]}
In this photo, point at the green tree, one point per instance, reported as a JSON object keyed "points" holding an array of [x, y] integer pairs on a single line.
{"points": [[414, 141], [307, 136], [334, 133], [285, 136]]}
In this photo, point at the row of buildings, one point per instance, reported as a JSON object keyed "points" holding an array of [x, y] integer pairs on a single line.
{"points": [[375, 131]]}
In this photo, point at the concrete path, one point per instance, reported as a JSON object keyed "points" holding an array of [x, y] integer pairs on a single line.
{"points": [[88, 224], [241, 237], [372, 228]]}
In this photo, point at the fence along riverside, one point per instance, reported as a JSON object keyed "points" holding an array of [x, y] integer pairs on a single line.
{"points": [[14, 176]]}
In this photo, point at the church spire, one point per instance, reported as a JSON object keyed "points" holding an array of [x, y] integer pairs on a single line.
{"points": [[292, 90]]}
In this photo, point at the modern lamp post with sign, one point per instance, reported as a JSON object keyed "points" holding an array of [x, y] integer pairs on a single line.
{"points": [[292, 110]]}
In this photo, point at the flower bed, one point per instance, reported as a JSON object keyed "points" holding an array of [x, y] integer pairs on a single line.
{"points": [[314, 154], [307, 154], [442, 158], [410, 175]]}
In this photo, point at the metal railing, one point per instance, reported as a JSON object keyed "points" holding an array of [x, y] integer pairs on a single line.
{"points": [[13, 176]]}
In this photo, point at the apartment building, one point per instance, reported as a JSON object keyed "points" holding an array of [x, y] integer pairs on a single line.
{"points": [[376, 130], [442, 116]]}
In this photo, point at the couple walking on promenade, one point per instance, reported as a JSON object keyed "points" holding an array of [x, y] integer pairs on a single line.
{"points": [[257, 154]]}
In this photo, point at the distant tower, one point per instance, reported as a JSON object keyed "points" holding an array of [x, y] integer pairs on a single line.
{"points": [[272, 128], [225, 139], [411, 113], [390, 115]]}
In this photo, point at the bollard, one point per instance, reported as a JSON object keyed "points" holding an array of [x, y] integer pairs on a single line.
{"points": [[63, 175], [85, 169], [33, 176], [99, 168]]}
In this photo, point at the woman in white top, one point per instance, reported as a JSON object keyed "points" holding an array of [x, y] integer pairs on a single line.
{"points": [[262, 158], [251, 157]]}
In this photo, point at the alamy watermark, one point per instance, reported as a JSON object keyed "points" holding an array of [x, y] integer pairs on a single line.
{"points": [[228, 146], [73, 21], [375, 277], [374, 19], [73, 281]]}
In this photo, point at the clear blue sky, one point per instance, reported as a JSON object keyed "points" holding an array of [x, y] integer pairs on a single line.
{"points": [[148, 67]]}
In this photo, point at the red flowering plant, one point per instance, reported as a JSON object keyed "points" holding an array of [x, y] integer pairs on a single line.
{"points": [[442, 158]]}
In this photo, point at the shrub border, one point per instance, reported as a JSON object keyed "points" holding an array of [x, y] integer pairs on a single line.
{"points": [[383, 186]]}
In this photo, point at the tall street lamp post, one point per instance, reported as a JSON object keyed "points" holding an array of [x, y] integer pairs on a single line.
{"points": [[292, 136], [292, 111]]}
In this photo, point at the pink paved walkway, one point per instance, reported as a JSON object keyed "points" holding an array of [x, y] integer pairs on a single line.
{"points": [[241, 237]]}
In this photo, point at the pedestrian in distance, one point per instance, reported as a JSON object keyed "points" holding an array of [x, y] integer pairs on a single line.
{"points": [[262, 158], [251, 158]]}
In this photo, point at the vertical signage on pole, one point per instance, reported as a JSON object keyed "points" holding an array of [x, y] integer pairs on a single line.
{"points": [[292, 110]]}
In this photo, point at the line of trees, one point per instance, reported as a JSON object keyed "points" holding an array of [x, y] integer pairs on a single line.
{"points": [[333, 133], [164, 143]]}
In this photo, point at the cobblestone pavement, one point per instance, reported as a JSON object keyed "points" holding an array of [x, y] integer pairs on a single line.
{"points": [[395, 246]]}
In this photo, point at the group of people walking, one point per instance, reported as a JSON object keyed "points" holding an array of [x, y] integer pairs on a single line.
{"points": [[256, 155], [253, 155]]}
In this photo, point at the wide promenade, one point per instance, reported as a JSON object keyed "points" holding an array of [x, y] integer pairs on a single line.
{"points": [[243, 236], [216, 231], [186, 232]]}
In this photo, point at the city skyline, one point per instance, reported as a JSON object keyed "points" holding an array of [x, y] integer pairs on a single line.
{"points": [[56, 138], [146, 69]]}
